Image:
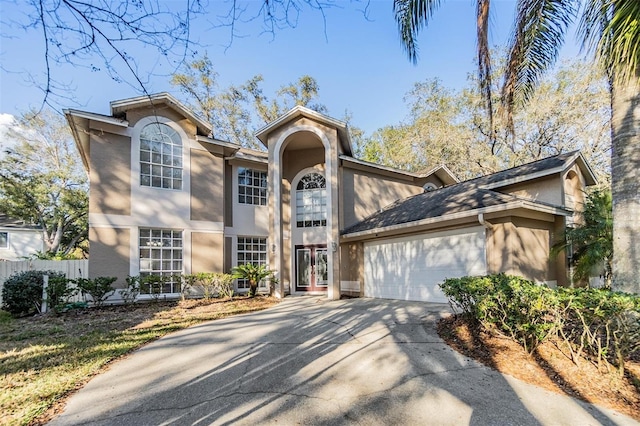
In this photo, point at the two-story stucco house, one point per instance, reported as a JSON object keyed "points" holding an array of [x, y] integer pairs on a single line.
{"points": [[167, 198]]}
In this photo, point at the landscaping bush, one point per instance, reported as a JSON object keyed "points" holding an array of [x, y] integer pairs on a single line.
{"points": [[99, 288], [210, 284], [516, 307], [602, 324], [152, 285], [59, 292], [22, 292], [131, 292]]}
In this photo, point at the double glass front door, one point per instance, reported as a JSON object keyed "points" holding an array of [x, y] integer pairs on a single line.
{"points": [[311, 268]]}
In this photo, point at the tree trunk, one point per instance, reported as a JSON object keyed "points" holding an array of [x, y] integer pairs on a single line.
{"points": [[625, 186]]}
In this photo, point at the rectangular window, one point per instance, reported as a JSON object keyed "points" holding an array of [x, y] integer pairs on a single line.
{"points": [[161, 254], [251, 250], [252, 187], [311, 208], [4, 240]]}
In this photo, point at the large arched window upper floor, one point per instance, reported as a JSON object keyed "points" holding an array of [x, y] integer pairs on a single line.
{"points": [[311, 201], [161, 157]]}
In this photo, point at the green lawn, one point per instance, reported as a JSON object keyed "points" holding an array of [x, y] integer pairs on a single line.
{"points": [[45, 358]]}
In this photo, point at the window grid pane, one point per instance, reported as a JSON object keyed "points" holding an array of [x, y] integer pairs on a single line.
{"points": [[252, 187], [161, 254], [160, 157], [4, 240], [311, 201], [251, 250]]}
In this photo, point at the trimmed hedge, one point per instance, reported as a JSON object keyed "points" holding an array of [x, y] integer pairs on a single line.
{"points": [[22, 291], [601, 323]]}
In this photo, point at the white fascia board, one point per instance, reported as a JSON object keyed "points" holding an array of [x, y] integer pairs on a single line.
{"points": [[97, 117], [378, 166], [300, 111], [523, 178], [224, 144], [456, 216], [125, 104]]}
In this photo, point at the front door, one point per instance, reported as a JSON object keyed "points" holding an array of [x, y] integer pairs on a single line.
{"points": [[311, 268]]}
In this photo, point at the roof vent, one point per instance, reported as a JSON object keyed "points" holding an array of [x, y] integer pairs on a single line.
{"points": [[428, 187]]}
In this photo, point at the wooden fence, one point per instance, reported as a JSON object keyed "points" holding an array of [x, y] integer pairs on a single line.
{"points": [[71, 268]]}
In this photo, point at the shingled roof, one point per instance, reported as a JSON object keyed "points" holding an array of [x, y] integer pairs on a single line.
{"points": [[9, 222], [470, 195]]}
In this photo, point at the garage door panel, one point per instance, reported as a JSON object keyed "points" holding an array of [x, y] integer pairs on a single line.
{"points": [[410, 268]]}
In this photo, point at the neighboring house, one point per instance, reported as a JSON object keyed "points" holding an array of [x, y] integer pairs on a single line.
{"points": [[166, 198], [18, 239]]}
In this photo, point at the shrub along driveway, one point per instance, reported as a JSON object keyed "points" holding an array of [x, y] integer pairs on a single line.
{"points": [[313, 361]]}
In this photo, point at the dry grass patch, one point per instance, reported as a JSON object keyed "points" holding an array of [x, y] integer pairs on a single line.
{"points": [[43, 359]]}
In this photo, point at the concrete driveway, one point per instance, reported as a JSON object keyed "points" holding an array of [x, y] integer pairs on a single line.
{"points": [[313, 361]]}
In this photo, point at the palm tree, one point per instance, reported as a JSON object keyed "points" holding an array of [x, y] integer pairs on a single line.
{"points": [[611, 29], [252, 273], [592, 240]]}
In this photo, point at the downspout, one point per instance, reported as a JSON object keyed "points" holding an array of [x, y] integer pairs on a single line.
{"points": [[487, 226]]}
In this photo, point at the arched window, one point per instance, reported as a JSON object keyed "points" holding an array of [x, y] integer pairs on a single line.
{"points": [[160, 157], [311, 201]]}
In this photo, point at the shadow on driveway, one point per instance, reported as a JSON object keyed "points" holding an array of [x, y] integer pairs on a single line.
{"points": [[313, 361]]}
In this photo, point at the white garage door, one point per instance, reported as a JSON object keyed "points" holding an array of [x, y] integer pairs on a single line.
{"points": [[410, 268]]}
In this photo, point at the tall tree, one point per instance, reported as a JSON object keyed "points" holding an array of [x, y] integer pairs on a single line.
{"points": [[569, 111], [236, 112], [611, 28], [42, 181]]}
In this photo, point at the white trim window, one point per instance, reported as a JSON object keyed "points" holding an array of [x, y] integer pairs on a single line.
{"points": [[251, 250], [161, 254], [160, 157], [4, 240], [311, 201], [252, 186]]}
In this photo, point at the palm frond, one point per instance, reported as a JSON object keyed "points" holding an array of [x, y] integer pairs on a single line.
{"points": [[411, 16], [538, 35], [619, 47]]}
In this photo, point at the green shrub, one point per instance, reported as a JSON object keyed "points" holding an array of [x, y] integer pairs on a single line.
{"points": [[22, 292], [210, 284], [516, 307], [99, 288], [59, 291], [131, 292], [602, 324], [153, 285]]}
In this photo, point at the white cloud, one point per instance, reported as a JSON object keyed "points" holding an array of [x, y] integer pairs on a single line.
{"points": [[7, 121]]}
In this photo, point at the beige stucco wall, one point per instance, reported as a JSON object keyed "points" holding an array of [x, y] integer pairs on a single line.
{"points": [[520, 246], [207, 186], [547, 189], [352, 264], [363, 193], [207, 252], [109, 250], [136, 114], [110, 174]]}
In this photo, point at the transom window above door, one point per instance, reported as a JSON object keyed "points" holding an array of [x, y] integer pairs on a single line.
{"points": [[160, 157], [311, 201]]}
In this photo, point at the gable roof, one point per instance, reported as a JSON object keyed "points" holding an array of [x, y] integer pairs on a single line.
{"points": [[300, 111], [468, 198], [9, 222], [123, 105]]}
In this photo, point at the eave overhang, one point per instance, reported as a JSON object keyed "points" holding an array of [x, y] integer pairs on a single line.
{"points": [[81, 122], [299, 111], [521, 208], [123, 105]]}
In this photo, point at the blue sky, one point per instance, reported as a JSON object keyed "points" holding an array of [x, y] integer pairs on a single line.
{"points": [[358, 63]]}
